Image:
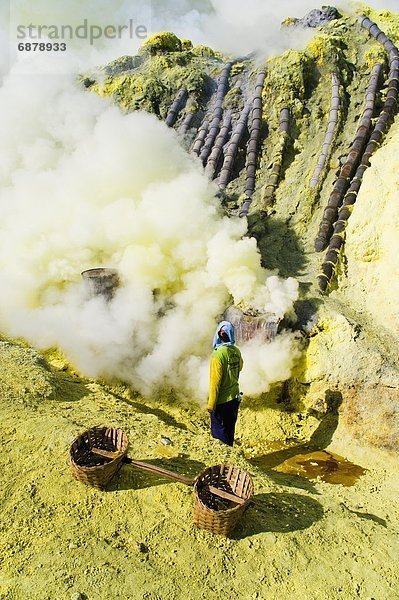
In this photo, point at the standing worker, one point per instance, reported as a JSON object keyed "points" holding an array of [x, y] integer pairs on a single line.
{"points": [[224, 393]]}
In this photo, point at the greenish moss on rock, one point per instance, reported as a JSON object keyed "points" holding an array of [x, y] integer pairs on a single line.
{"points": [[233, 99], [164, 41], [151, 80], [287, 78], [122, 64], [204, 51], [327, 49], [186, 44]]}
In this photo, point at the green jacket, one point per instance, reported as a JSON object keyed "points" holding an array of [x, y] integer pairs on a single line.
{"points": [[225, 367]]}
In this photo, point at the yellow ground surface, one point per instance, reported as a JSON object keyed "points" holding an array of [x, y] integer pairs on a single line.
{"points": [[303, 538]]}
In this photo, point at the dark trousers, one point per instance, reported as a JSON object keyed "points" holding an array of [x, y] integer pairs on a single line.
{"points": [[223, 421]]}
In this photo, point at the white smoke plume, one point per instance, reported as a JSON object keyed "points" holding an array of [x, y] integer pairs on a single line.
{"points": [[85, 186]]}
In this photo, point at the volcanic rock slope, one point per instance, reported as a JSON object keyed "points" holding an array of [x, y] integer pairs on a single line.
{"points": [[304, 146]]}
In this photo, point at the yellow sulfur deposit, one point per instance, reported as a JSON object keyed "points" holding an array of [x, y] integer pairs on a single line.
{"points": [[373, 259], [60, 538]]}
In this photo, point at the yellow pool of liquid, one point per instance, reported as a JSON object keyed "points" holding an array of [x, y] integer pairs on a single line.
{"points": [[314, 465]]}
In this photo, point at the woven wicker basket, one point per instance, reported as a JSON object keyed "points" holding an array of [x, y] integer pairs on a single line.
{"points": [[216, 514], [93, 469]]}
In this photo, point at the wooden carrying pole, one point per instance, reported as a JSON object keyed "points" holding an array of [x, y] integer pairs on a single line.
{"points": [[166, 473]]}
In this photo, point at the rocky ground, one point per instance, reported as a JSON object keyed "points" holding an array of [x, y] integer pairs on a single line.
{"points": [[306, 536]]}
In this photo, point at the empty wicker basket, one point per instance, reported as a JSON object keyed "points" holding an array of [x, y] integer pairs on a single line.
{"points": [[213, 511], [93, 469]]}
